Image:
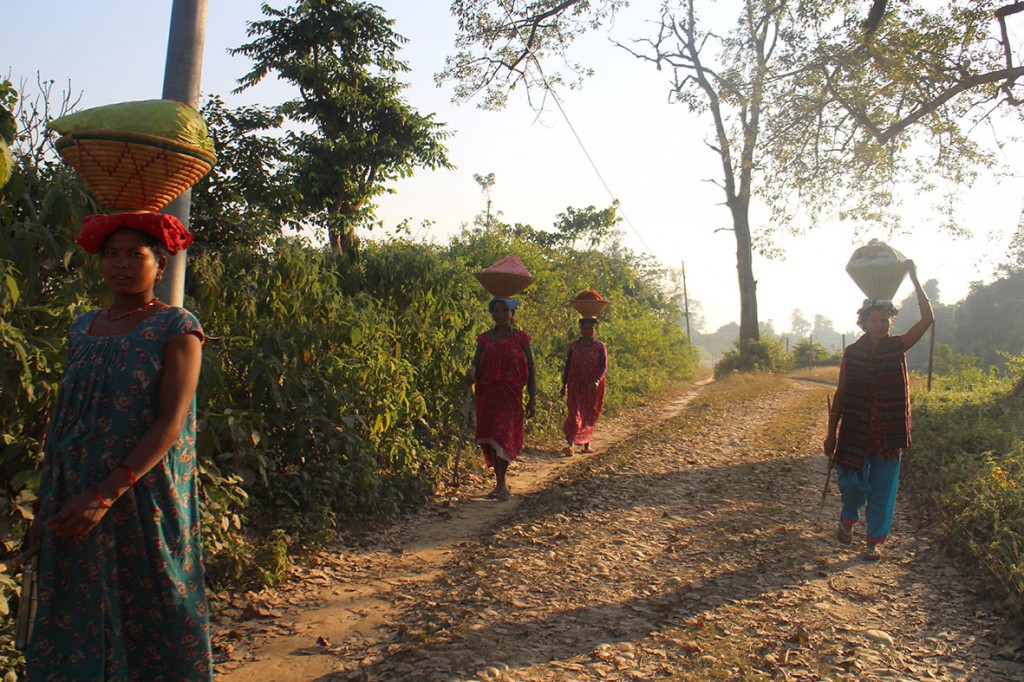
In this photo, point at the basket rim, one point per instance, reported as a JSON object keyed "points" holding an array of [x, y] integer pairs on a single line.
{"points": [[70, 139]]}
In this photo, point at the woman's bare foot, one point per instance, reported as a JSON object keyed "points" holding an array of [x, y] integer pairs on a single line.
{"points": [[568, 451], [586, 447]]}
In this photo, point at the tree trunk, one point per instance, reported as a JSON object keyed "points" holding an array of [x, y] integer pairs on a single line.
{"points": [[341, 231], [745, 271]]}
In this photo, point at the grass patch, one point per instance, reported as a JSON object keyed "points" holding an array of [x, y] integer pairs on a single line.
{"points": [[968, 465], [823, 374], [809, 409], [737, 388]]}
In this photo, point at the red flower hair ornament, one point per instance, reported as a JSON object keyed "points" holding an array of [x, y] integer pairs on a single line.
{"points": [[166, 228]]}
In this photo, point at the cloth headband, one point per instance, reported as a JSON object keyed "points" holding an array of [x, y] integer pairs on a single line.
{"points": [[166, 228], [510, 303]]}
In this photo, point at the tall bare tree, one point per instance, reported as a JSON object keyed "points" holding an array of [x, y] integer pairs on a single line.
{"points": [[817, 108]]}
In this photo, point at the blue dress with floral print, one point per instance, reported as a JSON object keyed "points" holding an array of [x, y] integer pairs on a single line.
{"points": [[127, 601]]}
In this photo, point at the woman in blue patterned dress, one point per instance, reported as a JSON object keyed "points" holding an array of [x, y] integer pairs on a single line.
{"points": [[121, 590]]}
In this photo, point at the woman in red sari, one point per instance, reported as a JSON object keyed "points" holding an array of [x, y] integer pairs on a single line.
{"points": [[502, 367], [583, 385]]}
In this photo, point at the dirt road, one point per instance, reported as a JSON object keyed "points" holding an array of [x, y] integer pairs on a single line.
{"points": [[685, 549]]}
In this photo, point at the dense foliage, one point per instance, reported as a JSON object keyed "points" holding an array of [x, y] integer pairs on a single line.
{"points": [[331, 391], [980, 329], [968, 462]]}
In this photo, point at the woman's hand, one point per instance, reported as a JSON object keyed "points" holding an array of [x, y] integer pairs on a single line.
{"points": [[531, 407], [565, 390], [78, 516], [829, 447]]}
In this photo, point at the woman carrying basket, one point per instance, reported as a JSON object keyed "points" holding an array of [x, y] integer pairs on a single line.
{"points": [[502, 367], [871, 410], [121, 587], [583, 383]]}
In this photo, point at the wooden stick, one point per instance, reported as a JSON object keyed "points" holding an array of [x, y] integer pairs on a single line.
{"points": [[466, 405], [828, 474]]}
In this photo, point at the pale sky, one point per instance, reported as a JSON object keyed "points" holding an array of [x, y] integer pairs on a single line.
{"points": [[651, 154]]}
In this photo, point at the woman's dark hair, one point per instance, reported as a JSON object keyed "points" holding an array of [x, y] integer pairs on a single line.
{"points": [[870, 306], [588, 320], [155, 245]]}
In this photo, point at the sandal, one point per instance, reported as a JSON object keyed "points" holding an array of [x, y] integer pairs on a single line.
{"points": [[872, 553], [844, 535]]}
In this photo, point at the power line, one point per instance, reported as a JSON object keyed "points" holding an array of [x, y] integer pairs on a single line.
{"points": [[547, 87]]}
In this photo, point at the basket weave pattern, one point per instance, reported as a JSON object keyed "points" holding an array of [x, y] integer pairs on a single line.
{"points": [[134, 172], [589, 307], [503, 284]]}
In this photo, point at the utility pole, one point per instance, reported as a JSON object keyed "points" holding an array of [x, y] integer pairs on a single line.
{"points": [[931, 356], [182, 73], [686, 302]]}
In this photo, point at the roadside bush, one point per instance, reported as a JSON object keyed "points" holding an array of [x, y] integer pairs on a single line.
{"points": [[968, 462], [813, 354], [764, 355], [331, 391]]}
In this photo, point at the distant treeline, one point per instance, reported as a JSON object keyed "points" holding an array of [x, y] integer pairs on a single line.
{"points": [[980, 331]]}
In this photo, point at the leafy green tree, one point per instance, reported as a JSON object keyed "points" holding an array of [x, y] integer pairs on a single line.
{"points": [[246, 198], [353, 130], [810, 353], [991, 319], [815, 106], [798, 324], [486, 182], [824, 332], [8, 127], [896, 95], [590, 225]]}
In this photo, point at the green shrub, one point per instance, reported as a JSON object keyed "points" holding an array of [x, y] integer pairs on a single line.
{"points": [[968, 462], [764, 355], [813, 354]]}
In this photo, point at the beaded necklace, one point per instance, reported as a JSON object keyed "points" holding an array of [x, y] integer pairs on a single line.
{"points": [[115, 318]]}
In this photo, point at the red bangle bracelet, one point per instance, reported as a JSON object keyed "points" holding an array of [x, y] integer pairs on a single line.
{"points": [[131, 474], [96, 492]]}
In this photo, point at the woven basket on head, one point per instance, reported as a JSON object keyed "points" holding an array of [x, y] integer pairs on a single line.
{"points": [[503, 284], [878, 270], [132, 171], [589, 307]]}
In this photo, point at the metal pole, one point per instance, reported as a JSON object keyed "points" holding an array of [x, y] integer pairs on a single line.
{"points": [[686, 302], [182, 73], [931, 356]]}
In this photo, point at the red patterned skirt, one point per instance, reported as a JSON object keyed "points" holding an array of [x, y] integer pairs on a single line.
{"points": [[499, 420]]}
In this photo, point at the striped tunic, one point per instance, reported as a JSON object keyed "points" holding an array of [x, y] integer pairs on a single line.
{"points": [[875, 402]]}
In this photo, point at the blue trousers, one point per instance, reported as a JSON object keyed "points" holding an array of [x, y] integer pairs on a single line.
{"points": [[874, 487]]}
